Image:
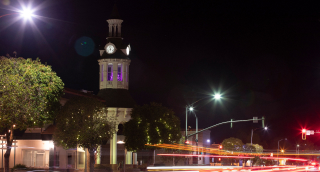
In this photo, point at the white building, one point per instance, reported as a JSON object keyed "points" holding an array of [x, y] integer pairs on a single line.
{"points": [[114, 84]]}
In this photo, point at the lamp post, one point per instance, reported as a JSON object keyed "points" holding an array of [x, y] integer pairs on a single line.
{"points": [[278, 149], [298, 149], [265, 128], [216, 97], [190, 107]]}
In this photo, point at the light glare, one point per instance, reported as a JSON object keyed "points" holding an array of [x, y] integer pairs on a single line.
{"points": [[191, 108], [217, 96], [26, 13]]}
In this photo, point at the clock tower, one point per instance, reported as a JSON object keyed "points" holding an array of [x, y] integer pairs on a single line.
{"points": [[114, 64]]}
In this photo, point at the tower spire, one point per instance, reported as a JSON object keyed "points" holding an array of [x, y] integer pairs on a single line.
{"points": [[115, 23], [115, 12]]}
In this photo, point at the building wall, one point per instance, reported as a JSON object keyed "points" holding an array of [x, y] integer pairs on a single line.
{"points": [[36, 153]]}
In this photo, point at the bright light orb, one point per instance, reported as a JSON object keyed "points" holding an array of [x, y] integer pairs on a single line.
{"points": [[217, 96], [266, 128], [26, 13], [191, 108]]}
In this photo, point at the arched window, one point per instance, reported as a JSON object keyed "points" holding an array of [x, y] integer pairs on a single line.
{"points": [[119, 72], [110, 72]]}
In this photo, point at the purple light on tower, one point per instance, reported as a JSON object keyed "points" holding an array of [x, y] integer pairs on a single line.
{"points": [[110, 73], [119, 72]]}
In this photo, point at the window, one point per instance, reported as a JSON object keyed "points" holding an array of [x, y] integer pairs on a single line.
{"points": [[81, 158], [101, 72], [110, 72], [35, 158], [119, 72]]}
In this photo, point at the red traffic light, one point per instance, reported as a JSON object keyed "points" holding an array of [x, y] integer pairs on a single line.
{"points": [[304, 134]]}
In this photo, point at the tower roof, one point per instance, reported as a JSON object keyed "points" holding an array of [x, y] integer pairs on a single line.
{"points": [[115, 13]]}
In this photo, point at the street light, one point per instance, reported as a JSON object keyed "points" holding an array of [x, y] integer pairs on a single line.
{"points": [[265, 128], [278, 149], [25, 13], [298, 149], [190, 107]]}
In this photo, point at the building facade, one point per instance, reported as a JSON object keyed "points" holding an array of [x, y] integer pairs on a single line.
{"points": [[114, 65]]}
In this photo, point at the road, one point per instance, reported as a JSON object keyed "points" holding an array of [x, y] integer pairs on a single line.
{"points": [[230, 168]]}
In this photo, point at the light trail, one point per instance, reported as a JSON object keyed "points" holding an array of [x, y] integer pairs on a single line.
{"points": [[216, 156], [225, 152], [231, 168]]}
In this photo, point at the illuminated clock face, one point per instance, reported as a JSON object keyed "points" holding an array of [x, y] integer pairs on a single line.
{"points": [[110, 49], [127, 50]]}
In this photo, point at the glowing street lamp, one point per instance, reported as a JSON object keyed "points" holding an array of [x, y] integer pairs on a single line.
{"points": [[26, 13], [265, 128], [190, 108], [216, 96]]}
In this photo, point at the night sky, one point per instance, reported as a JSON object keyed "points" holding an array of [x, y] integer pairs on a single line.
{"points": [[263, 57]]}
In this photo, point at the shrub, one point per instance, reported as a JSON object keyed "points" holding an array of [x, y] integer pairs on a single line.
{"points": [[18, 166]]}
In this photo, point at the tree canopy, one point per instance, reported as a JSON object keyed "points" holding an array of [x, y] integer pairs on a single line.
{"points": [[82, 122], [29, 95], [232, 144], [28, 92], [151, 124]]}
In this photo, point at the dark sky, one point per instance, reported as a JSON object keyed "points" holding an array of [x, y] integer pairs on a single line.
{"points": [[262, 56]]}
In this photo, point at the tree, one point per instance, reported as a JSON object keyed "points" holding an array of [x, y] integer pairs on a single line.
{"points": [[82, 122], [253, 148], [29, 93], [232, 144], [151, 124]]}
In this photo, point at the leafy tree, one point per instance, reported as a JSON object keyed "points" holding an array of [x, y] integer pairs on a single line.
{"points": [[151, 124], [82, 122], [232, 144], [253, 148], [29, 93]]}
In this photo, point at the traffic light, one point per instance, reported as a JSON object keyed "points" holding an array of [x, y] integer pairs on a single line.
{"points": [[304, 134]]}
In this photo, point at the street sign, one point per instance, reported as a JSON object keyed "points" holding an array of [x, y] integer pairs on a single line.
{"points": [[255, 119]]}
